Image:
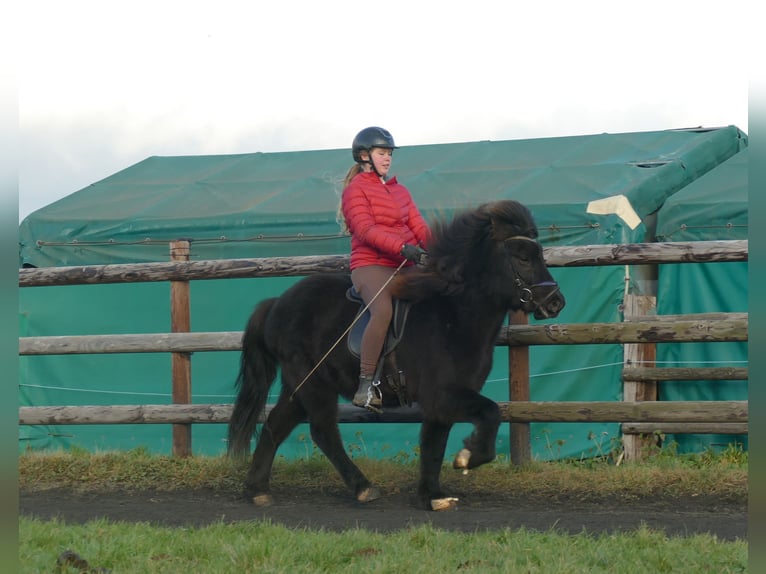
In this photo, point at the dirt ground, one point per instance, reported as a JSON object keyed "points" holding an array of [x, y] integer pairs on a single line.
{"points": [[335, 510]]}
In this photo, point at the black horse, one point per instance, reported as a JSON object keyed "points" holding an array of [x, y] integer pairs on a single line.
{"points": [[482, 264]]}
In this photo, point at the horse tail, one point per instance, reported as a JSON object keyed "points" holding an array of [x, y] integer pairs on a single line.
{"points": [[257, 371]]}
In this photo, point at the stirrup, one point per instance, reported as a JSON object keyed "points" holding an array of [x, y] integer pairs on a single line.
{"points": [[373, 399]]}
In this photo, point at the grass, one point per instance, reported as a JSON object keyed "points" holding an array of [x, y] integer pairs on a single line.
{"points": [[723, 474], [263, 547], [260, 546]]}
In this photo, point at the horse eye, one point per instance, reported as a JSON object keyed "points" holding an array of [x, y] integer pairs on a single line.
{"points": [[521, 254], [522, 251]]}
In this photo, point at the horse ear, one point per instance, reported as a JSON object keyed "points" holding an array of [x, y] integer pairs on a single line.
{"points": [[508, 218]]}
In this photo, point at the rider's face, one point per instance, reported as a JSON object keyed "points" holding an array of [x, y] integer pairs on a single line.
{"points": [[381, 157]]}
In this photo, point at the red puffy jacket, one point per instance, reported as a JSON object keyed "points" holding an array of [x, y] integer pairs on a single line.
{"points": [[381, 218]]}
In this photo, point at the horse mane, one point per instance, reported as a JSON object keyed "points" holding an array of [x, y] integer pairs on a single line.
{"points": [[461, 245]]}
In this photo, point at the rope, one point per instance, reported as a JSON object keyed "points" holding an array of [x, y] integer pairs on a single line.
{"points": [[276, 395], [330, 350]]}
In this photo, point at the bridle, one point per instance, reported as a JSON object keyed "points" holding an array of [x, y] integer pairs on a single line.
{"points": [[527, 296]]}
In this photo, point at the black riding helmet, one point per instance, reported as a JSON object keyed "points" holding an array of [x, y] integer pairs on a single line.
{"points": [[369, 138]]}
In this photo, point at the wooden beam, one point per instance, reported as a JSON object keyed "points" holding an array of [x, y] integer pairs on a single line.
{"points": [[124, 414], [685, 428], [131, 343], [684, 373], [518, 381], [180, 322], [646, 253], [532, 411], [184, 271], [575, 256], [636, 305], [683, 329], [624, 411]]}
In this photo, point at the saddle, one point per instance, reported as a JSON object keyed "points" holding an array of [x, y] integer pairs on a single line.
{"points": [[387, 370], [395, 329]]}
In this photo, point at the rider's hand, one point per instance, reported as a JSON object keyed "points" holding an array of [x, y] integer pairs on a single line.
{"points": [[412, 253]]}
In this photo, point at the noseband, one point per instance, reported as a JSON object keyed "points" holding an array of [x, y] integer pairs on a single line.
{"points": [[528, 296]]}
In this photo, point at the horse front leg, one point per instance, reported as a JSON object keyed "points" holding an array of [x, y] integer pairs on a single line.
{"points": [[433, 442], [484, 414], [281, 421]]}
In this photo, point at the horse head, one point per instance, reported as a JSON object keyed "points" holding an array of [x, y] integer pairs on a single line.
{"points": [[537, 291], [493, 251], [517, 251]]}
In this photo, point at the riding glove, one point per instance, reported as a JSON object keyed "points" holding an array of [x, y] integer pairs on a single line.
{"points": [[413, 253]]}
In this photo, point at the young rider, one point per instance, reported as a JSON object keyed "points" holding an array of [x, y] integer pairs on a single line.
{"points": [[386, 229]]}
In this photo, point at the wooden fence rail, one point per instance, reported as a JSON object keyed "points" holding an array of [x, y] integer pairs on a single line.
{"points": [[528, 411], [684, 428], [636, 416], [685, 374], [577, 256], [679, 329]]}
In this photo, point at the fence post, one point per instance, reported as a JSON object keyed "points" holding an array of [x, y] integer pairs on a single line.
{"points": [[180, 322], [638, 355], [518, 381]]}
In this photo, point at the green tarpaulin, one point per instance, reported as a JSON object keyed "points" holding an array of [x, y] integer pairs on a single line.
{"points": [[582, 190], [714, 207]]}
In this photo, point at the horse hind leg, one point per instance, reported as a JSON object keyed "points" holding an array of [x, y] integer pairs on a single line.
{"points": [[281, 421], [326, 435]]}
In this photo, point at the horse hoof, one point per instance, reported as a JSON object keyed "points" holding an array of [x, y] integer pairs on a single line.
{"points": [[462, 459], [442, 504], [368, 494], [263, 500]]}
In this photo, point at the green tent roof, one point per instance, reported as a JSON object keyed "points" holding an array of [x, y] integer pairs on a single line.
{"points": [[582, 190], [713, 207]]}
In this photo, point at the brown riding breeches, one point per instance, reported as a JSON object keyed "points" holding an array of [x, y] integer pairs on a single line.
{"points": [[368, 280]]}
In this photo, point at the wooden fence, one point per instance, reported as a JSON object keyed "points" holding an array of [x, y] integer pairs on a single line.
{"points": [[639, 413]]}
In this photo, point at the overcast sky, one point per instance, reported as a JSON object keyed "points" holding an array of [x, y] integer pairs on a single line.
{"points": [[105, 84]]}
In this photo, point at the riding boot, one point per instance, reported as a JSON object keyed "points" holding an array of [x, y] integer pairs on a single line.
{"points": [[367, 395]]}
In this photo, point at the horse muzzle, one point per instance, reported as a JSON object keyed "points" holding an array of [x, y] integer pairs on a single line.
{"points": [[544, 299]]}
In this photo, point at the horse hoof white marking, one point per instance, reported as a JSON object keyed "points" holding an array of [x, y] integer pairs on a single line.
{"points": [[263, 500], [462, 459], [442, 504], [368, 494]]}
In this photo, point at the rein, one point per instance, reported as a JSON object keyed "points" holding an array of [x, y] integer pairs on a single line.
{"points": [[358, 316]]}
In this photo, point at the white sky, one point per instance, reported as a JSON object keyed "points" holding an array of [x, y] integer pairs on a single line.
{"points": [[105, 84]]}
